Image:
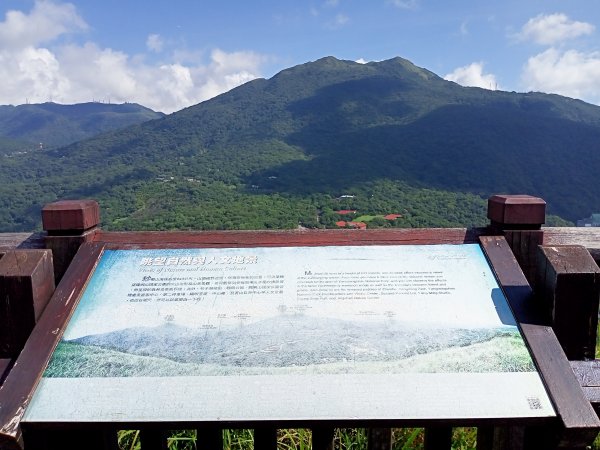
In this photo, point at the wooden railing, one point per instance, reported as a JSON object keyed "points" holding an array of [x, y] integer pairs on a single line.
{"points": [[559, 284]]}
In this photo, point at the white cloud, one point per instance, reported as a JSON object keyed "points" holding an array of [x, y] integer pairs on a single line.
{"points": [[45, 22], [472, 75], [570, 73], [30, 74], [551, 29], [32, 69], [338, 21], [361, 61], [167, 87], [332, 3], [405, 4], [155, 43], [341, 19]]}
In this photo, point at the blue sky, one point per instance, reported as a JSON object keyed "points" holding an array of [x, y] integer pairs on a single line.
{"points": [[169, 54]]}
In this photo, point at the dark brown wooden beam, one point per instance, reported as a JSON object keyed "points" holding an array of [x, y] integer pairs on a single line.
{"points": [[569, 288], [151, 439], [26, 285], [380, 439], [5, 365], [265, 438], [209, 439], [70, 439], [524, 245], [17, 390], [501, 438], [69, 224], [579, 424], [322, 438], [438, 438]]}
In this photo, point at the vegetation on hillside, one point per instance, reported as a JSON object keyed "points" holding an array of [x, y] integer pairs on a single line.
{"points": [[281, 153], [54, 125]]}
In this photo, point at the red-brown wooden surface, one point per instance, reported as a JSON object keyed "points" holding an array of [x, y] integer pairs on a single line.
{"points": [[516, 211], [16, 392], [18, 388], [26, 284], [69, 215], [288, 238], [569, 289], [580, 424]]}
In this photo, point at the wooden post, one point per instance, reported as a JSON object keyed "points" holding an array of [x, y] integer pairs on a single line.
{"points": [[380, 439], [209, 438], [577, 424], [4, 369], [568, 286], [588, 374], [501, 438], [265, 438], [519, 218], [151, 439], [69, 223], [322, 438], [18, 387], [69, 439], [26, 285], [438, 438]]}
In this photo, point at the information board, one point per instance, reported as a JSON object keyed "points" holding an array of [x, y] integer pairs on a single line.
{"points": [[291, 333]]}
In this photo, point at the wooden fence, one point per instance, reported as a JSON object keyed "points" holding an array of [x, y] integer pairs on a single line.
{"points": [[554, 297]]}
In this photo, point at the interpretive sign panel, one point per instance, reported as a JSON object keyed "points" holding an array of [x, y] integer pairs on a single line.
{"points": [[291, 333]]}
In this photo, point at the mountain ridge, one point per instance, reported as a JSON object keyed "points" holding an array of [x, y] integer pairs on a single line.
{"points": [[55, 125], [384, 136]]}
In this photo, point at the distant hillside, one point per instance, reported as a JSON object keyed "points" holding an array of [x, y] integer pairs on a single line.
{"points": [[55, 125], [379, 138]]}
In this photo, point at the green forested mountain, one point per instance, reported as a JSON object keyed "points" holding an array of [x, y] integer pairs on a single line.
{"points": [[378, 138], [54, 125]]}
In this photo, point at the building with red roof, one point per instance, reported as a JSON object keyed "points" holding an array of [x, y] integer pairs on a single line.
{"points": [[359, 225]]}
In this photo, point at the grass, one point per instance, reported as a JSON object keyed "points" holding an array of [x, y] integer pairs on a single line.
{"points": [[365, 218], [301, 439]]}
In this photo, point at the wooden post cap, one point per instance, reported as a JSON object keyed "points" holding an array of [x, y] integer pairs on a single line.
{"points": [[516, 210], [66, 215], [570, 259], [569, 288]]}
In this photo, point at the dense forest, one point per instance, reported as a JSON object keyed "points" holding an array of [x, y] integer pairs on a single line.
{"points": [[319, 139]]}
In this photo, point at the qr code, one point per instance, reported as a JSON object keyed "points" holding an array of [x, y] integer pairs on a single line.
{"points": [[534, 403]]}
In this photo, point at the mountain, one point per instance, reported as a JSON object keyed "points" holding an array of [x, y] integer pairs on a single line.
{"points": [[54, 125], [378, 138]]}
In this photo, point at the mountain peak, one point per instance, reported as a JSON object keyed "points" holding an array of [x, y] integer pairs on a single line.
{"points": [[320, 137], [398, 65], [324, 68]]}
